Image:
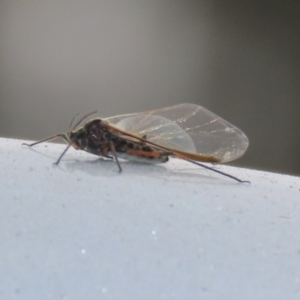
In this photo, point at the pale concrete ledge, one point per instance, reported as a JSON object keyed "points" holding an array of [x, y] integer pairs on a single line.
{"points": [[83, 231]]}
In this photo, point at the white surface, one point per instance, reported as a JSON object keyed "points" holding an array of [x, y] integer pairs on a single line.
{"points": [[174, 231]]}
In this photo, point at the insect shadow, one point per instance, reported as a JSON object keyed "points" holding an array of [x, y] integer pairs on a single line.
{"points": [[107, 168], [102, 167]]}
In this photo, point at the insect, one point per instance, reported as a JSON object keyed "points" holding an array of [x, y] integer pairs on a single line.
{"points": [[186, 131]]}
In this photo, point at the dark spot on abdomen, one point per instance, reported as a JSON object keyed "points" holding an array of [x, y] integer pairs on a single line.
{"points": [[146, 149]]}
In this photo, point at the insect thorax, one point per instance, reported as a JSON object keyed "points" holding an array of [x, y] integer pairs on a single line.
{"points": [[97, 138]]}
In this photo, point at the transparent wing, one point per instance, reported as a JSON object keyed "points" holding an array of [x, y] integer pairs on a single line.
{"points": [[186, 127]]}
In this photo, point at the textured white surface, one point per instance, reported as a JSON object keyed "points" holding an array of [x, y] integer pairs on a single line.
{"points": [[174, 231]]}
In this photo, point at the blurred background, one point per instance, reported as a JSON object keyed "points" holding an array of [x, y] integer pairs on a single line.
{"points": [[239, 59]]}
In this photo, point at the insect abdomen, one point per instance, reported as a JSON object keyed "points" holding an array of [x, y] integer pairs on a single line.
{"points": [[138, 157]]}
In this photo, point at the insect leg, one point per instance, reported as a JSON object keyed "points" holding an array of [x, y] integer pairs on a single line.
{"points": [[47, 139], [57, 162], [113, 150], [217, 171], [209, 168]]}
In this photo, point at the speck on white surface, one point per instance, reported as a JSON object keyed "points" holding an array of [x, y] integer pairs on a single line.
{"points": [[81, 230]]}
